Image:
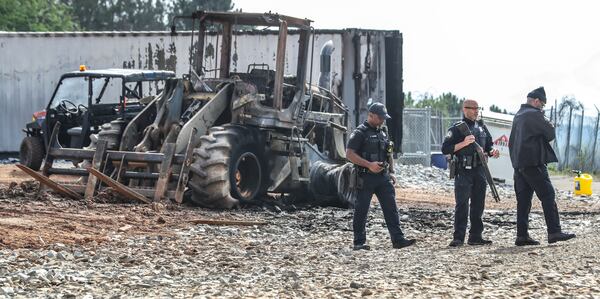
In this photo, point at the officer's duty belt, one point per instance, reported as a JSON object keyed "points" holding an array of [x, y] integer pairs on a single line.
{"points": [[364, 170], [468, 162]]}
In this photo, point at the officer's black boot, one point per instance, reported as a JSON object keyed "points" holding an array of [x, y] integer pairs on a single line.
{"points": [[401, 243], [525, 241], [478, 240], [456, 243], [560, 236], [362, 247]]}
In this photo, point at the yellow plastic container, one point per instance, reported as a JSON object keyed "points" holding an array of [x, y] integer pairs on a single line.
{"points": [[583, 184]]}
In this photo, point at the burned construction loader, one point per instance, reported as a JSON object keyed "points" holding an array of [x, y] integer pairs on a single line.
{"points": [[230, 138]]}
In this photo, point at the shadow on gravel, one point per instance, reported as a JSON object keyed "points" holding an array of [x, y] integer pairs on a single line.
{"points": [[533, 250]]}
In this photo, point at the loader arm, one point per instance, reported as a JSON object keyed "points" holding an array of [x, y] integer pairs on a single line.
{"points": [[205, 118]]}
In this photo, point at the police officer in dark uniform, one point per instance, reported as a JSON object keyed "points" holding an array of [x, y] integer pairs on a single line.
{"points": [[530, 151], [469, 175], [368, 149]]}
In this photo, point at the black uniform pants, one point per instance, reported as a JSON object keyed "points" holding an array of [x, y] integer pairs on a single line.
{"points": [[469, 184], [380, 185], [527, 181]]}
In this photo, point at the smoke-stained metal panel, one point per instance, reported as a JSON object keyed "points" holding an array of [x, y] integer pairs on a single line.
{"points": [[393, 85], [31, 63]]}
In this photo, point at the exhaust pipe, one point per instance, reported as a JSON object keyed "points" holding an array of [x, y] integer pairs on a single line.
{"points": [[325, 67]]}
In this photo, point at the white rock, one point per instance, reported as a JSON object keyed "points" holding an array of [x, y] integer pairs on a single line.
{"points": [[7, 291]]}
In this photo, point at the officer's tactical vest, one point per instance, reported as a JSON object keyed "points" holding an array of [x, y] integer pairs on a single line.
{"points": [[478, 130], [374, 146]]}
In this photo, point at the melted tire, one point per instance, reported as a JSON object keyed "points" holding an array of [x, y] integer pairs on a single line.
{"points": [[228, 167]]}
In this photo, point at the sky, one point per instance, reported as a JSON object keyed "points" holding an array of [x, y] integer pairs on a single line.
{"points": [[492, 51]]}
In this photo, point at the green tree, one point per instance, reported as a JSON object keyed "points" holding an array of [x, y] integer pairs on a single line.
{"points": [[495, 108], [35, 15], [447, 103], [409, 101], [139, 15], [186, 8], [126, 15], [120, 15]]}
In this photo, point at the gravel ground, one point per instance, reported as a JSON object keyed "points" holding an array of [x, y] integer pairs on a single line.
{"points": [[58, 248], [307, 253]]}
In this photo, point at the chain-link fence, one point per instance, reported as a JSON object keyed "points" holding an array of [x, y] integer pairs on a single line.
{"points": [[439, 128], [577, 145], [416, 140], [423, 132]]}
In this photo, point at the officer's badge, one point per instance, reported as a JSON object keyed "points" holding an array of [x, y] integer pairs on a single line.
{"points": [[449, 134]]}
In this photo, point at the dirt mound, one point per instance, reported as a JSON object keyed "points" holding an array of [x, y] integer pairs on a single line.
{"points": [[26, 189]]}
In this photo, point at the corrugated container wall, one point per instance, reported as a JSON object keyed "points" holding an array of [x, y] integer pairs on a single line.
{"points": [[31, 64]]}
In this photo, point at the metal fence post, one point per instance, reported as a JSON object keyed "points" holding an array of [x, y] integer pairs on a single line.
{"points": [[595, 139], [568, 139], [580, 156]]}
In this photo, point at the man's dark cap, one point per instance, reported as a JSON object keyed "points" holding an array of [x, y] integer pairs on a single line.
{"points": [[379, 109], [538, 93]]}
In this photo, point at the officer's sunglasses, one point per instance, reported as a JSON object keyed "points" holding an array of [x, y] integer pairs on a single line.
{"points": [[474, 108]]}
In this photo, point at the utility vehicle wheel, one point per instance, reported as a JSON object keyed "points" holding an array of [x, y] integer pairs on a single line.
{"points": [[31, 153], [228, 167]]}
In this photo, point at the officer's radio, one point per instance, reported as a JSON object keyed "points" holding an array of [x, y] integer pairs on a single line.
{"points": [[452, 165]]}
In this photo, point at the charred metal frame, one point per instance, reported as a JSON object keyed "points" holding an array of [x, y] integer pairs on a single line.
{"points": [[101, 157], [229, 19], [287, 129]]}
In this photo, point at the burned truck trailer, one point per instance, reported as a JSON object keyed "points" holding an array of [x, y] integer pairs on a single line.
{"points": [[357, 64], [364, 64]]}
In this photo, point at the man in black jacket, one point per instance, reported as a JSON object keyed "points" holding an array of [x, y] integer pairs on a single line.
{"points": [[530, 152]]}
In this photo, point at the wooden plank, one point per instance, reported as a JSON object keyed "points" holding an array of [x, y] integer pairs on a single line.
{"points": [[96, 164], [82, 154], [185, 169], [166, 167], [225, 51], [49, 159], [118, 187], [50, 183], [279, 66], [122, 169]]}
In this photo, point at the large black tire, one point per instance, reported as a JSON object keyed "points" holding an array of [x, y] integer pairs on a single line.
{"points": [[330, 184], [31, 153], [229, 167]]}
